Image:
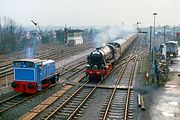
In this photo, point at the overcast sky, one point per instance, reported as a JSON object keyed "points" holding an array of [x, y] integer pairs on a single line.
{"points": [[91, 12]]}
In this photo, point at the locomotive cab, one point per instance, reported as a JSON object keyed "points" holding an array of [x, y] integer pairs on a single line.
{"points": [[24, 76]]}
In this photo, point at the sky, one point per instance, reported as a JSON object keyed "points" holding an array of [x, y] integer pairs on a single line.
{"points": [[91, 12]]}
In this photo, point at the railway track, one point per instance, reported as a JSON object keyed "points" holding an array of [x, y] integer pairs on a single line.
{"points": [[119, 103], [70, 67], [48, 102], [70, 108], [53, 98], [119, 98], [13, 101], [79, 101], [17, 99], [7, 69], [72, 72], [7, 62]]}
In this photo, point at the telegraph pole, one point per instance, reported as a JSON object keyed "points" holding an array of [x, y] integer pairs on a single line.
{"points": [[164, 34], [150, 37], [174, 30]]}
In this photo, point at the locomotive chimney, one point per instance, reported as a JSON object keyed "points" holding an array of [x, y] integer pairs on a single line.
{"points": [[98, 48]]}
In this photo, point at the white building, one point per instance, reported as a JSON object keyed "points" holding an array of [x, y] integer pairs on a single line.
{"points": [[74, 37]]}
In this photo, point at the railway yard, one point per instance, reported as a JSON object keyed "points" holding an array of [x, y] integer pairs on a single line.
{"points": [[123, 94]]}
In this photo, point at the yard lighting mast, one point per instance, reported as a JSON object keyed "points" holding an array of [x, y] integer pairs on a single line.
{"points": [[154, 25]]}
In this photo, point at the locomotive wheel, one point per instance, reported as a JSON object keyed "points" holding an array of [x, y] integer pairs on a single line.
{"points": [[13, 84], [55, 79]]}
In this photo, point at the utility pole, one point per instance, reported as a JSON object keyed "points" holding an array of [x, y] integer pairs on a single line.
{"points": [[174, 31], [65, 34], [150, 37], [164, 34]]}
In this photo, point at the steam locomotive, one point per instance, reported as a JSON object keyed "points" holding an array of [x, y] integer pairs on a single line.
{"points": [[100, 62], [32, 75]]}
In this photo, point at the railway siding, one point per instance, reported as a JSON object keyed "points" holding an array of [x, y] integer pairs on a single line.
{"points": [[31, 114]]}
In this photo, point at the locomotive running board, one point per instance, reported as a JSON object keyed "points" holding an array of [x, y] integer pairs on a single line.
{"points": [[121, 87]]}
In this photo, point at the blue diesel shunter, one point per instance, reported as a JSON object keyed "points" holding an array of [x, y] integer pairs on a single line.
{"points": [[32, 75]]}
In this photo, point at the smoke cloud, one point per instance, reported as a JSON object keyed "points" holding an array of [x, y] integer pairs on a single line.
{"points": [[31, 47], [29, 52], [110, 33]]}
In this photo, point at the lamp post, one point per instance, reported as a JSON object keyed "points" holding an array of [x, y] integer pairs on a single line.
{"points": [[153, 65], [154, 24]]}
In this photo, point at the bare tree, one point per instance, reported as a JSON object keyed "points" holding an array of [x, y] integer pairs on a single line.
{"points": [[10, 35]]}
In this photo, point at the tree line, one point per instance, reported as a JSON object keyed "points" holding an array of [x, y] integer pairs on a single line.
{"points": [[10, 35], [13, 36]]}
